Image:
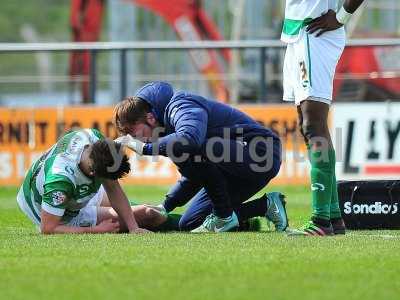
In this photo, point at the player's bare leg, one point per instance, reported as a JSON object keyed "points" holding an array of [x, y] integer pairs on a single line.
{"points": [[149, 218], [146, 217], [313, 116]]}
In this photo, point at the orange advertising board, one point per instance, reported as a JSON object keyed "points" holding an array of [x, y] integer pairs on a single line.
{"points": [[283, 120], [26, 133]]}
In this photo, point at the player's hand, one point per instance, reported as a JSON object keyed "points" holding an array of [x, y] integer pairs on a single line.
{"points": [[324, 23], [107, 226], [140, 231], [159, 208], [132, 143]]}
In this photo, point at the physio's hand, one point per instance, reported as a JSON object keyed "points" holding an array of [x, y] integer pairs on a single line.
{"points": [[132, 143], [107, 226], [324, 23]]}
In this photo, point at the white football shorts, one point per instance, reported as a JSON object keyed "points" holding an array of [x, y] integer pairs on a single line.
{"points": [[309, 66], [87, 216]]}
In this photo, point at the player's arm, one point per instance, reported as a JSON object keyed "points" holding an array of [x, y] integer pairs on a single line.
{"points": [[332, 20], [51, 224], [120, 204], [352, 5]]}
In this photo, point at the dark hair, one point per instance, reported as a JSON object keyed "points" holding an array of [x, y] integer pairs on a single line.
{"points": [[109, 160], [129, 111]]}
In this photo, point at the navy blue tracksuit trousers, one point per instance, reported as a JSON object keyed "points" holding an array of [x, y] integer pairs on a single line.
{"points": [[245, 169]]}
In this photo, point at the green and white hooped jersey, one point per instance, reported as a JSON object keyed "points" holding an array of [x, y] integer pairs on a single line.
{"points": [[298, 13], [55, 182]]}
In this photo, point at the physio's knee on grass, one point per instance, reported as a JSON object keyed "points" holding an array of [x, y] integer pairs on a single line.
{"points": [[190, 223]]}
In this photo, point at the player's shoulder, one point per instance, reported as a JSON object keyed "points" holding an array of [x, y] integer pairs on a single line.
{"points": [[85, 135], [75, 141], [64, 161], [188, 100], [95, 133], [61, 168], [184, 103]]}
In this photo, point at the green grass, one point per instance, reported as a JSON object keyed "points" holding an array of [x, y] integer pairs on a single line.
{"points": [[265, 265]]}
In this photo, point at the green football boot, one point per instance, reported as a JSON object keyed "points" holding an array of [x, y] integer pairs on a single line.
{"points": [[312, 229]]}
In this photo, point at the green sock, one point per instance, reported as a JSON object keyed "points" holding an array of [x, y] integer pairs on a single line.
{"points": [[322, 170], [335, 209]]}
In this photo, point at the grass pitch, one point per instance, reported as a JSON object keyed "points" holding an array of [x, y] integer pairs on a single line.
{"points": [[265, 265]]}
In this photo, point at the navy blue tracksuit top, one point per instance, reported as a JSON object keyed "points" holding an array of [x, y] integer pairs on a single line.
{"points": [[195, 119]]}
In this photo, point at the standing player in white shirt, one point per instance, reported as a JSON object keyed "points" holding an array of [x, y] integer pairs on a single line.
{"points": [[316, 38]]}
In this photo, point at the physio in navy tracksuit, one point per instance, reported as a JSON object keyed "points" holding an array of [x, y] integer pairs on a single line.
{"points": [[224, 156]]}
